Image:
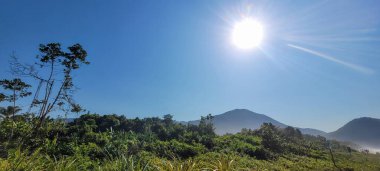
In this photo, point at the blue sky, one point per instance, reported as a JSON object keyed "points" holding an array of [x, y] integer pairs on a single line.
{"points": [[318, 65]]}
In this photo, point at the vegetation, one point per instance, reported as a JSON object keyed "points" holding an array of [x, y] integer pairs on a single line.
{"points": [[111, 142], [34, 141]]}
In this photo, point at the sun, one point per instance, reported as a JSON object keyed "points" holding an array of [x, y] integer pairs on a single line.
{"points": [[247, 34]]}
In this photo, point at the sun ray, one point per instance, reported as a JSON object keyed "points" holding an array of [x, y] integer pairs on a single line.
{"points": [[334, 59]]}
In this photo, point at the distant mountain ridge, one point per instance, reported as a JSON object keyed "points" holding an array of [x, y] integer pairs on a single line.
{"points": [[235, 120], [364, 131]]}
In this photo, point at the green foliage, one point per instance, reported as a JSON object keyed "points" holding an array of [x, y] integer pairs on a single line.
{"points": [[175, 149], [125, 163], [17, 87], [6, 113], [112, 142], [249, 145], [176, 165]]}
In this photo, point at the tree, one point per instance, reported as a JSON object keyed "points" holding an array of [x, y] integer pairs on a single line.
{"points": [[292, 133], [206, 126], [270, 137], [18, 90], [9, 111], [168, 119], [2, 97], [54, 75], [349, 150]]}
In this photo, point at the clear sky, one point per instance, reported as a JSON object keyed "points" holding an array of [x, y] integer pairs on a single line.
{"points": [[318, 65]]}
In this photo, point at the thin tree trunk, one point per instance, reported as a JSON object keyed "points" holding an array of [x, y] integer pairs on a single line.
{"points": [[333, 159], [14, 104]]}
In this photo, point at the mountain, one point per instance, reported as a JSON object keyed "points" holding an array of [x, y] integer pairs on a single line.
{"points": [[312, 131], [235, 120], [364, 131]]}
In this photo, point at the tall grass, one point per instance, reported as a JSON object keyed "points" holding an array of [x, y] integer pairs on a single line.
{"points": [[125, 163], [37, 160], [177, 165]]}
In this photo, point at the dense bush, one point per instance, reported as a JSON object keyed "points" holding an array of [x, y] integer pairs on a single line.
{"points": [[95, 141]]}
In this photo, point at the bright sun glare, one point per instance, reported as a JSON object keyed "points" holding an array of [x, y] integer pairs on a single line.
{"points": [[247, 34]]}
